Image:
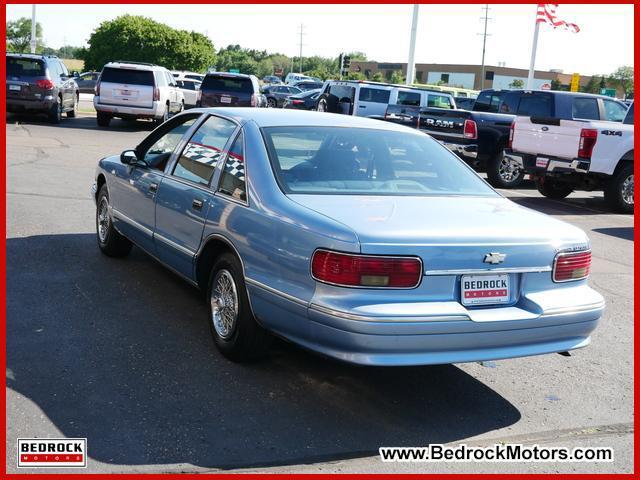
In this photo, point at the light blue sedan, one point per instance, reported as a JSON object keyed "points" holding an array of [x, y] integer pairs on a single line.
{"points": [[359, 239]]}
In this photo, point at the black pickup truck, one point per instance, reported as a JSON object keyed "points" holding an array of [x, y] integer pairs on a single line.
{"points": [[479, 136]]}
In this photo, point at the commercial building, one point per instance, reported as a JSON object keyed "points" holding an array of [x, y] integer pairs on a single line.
{"points": [[467, 76]]}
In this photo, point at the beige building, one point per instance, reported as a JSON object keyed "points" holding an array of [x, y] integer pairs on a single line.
{"points": [[466, 76]]}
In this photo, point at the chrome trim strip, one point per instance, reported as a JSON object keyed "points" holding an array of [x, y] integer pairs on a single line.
{"points": [[118, 214], [366, 318], [173, 244], [269, 289], [471, 271]]}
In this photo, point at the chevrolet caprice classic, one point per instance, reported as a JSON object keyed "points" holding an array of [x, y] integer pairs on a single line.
{"points": [[363, 240]]}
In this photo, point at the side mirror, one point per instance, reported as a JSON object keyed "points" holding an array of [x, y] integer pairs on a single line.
{"points": [[129, 157]]}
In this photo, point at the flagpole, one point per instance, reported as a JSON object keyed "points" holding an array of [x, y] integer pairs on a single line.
{"points": [[411, 64], [532, 65]]}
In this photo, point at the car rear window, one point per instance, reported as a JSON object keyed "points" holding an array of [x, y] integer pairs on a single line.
{"points": [[17, 67], [439, 101], [363, 161], [536, 105], [586, 109], [127, 75], [227, 84]]}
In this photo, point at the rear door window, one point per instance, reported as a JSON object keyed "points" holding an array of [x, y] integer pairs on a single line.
{"points": [[375, 95], [227, 84], [614, 111], [488, 101], [342, 91], [232, 181], [586, 108], [409, 98], [127, 75], [201, 154], [535, 105], [18, 67]]}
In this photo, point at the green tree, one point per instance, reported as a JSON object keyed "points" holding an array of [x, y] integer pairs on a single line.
{"points": [[377, 77], [556, 84], [623, 77], [19, 36], [516, 83], [593, 85], [358, 56], [140, 39], [396, 77]]}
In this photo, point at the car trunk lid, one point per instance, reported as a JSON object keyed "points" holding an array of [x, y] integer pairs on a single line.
{"points": [[547, 136]]}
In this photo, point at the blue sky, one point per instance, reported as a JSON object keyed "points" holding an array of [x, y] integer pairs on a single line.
{"points": [[446, 33]]}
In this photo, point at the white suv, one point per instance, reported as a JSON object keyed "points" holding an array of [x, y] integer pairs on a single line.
{"points": [[132, 90]]}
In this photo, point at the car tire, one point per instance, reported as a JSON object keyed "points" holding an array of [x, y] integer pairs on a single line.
{"points": [[73, 113], [553, 189], [322, 105], [272, 103], [618, 191], [55, 112], [110, 242], [235, 331], [163, 118], [503, 172], [103, 119]]}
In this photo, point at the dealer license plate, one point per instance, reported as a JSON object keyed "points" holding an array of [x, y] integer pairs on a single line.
{"points": [[224, 99], [14, 87], [484, 289]]}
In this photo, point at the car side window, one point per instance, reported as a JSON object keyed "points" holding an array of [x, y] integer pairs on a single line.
{"points": [[201, 154], [409, 98], [628, 119], [233, 181], [536, 104], [158, 154], [161, 79], [488, 101], [586, 109], [439, 101], [614, 112], [374, 95]]}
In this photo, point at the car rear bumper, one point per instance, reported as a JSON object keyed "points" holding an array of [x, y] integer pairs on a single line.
{"points": [[125, 111], [449, 334], [543, 164], [469, 151], [16, 105]]}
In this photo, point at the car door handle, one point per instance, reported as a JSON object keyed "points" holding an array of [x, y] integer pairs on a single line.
{"points": [[362, 106], [153, 188], [197, 204]]}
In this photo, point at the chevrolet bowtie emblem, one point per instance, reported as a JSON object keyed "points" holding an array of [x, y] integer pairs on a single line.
{"points": [[494, 258]]}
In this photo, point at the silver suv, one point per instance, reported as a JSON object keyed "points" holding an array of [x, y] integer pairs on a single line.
{"points": [[132, 90]]}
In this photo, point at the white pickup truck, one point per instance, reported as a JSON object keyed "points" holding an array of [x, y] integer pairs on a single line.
{"points": [[567, 155]]}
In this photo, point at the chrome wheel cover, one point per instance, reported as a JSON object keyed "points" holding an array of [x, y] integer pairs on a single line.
{"points": [[224, 304], [322, 106], [103, 219], [627, 190], [508, 170]]}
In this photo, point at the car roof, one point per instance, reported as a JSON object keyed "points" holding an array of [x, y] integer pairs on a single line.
{"points": [[276, 117], [34, 56], [228, 74], [134, 65], [554, 92]]}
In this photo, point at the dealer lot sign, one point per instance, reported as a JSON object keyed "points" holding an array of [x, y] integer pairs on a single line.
{"points": [[52, 452]]}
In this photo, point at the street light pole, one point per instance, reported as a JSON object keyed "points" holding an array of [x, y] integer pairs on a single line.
{"points": [[33, 29], [484, 44], [411, 65]]}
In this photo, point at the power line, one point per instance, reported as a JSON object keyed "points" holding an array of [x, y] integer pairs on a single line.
{"points": [[486, 19]]}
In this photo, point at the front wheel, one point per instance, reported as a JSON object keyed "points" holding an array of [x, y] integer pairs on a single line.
{"points": [[110, 241], [233, 327], [322, 105], [272, 103], [504, 172], [618, 191], [553, 189]]}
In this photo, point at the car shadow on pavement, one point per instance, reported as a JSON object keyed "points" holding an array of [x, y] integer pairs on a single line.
{"points": [[83, 122], [625, 233], [119, 351]]}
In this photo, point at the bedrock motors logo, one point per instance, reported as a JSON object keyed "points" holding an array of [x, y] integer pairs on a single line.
{"points": [[52, 452]]}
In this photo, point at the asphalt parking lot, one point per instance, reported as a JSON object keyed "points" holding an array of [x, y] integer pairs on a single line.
{"points": [[119, 352]]}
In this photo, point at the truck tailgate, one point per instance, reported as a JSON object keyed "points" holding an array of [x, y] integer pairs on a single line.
{"points": [[553, 137], [443, 124]]}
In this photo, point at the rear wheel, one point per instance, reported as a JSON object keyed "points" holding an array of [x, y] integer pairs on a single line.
{"points": [[74, 111], [618, 191], [233, 327], [504, 172], [271, 103], [111, 243], [322, 105], [164, 118], [553, 189], [103, 119], [55, 112]]}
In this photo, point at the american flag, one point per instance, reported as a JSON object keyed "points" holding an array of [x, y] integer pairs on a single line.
{"points": [[547, 14]]}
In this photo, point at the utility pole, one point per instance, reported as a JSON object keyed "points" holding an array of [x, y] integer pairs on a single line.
{"points": [[33, 28], [411, 64], [301, 34], [484, 42]]}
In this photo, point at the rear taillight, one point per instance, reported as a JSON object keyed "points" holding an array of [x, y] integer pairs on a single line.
{"points": [[297, 102], [570, 266], [588, 137], [512, 130], [254, 100], [350, 270], [470, 129], [45, 84], [156, 94]]}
